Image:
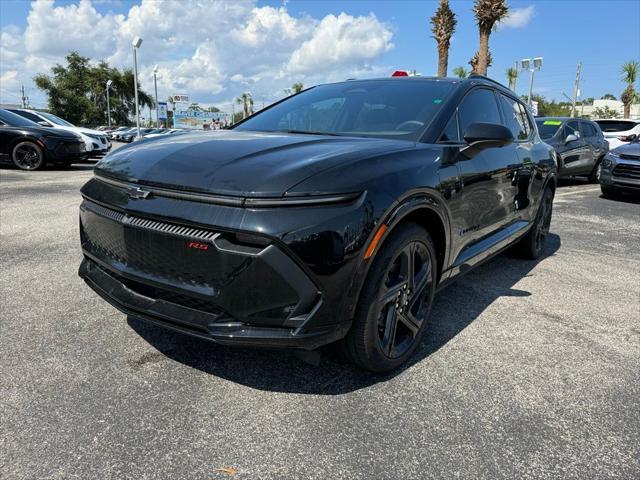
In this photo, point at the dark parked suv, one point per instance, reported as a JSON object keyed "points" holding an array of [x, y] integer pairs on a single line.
{"points": [[334, 214], [579, 143]]}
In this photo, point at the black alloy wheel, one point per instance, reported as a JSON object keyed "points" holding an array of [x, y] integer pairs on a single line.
{"points": [[28, 156], [395, 301], [532, 244]]}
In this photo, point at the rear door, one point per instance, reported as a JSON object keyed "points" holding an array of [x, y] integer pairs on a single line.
{"points": [[516, 119]]}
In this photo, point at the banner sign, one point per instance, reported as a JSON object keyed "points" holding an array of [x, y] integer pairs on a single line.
{"points": [[162, 110], [200, 120], [180, 98]]}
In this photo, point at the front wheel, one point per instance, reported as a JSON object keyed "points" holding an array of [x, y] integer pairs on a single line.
{"points": [[532, 244], [595, 173], [28, 156], [395, 301]]}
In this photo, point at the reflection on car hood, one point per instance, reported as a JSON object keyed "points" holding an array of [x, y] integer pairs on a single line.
{"points": [[629, 149], [237, 163]]}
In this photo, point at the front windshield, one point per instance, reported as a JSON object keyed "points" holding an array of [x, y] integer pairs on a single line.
{"points": [[548, 128], [393, 108], [14, 120], [56, 120]]}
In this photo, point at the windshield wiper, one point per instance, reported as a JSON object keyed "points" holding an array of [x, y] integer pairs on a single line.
{"points": [[309, 132]]}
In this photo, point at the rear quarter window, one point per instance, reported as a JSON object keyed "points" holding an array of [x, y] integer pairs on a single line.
{"points": [[615, 125]]}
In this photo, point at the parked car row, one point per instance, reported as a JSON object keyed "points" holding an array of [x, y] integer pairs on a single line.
{"points": [[96, 143], [128, 134], [30, 146]]}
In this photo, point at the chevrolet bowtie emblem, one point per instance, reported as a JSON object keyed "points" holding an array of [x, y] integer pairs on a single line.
{"points": [[137, 192]]}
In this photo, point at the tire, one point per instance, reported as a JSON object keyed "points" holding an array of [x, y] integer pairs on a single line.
{"points": [[609, 192], [593, 176], [390, 319], [532, 244], [27, 156]]}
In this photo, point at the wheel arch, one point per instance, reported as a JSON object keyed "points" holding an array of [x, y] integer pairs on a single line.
{"points": [[425, 210]]}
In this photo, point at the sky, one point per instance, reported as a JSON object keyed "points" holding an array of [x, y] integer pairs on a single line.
{"points": [[214, 50]]}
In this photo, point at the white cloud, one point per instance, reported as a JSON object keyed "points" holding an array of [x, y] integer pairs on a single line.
{"points": [[211, 50], [518, 17]]}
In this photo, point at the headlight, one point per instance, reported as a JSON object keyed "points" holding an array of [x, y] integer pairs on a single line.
{"points": [[614, 154]]}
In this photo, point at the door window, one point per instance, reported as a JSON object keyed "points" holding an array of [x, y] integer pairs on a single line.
{"points": [[513, 118], [479, 106], [588, 130], [450, 133]]}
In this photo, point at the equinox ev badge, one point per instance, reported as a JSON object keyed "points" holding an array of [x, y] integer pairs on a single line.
{"points": [[137, 192]]}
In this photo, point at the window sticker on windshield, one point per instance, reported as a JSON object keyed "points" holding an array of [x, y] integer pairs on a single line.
{"points": [[552, 122], [437, 101]]}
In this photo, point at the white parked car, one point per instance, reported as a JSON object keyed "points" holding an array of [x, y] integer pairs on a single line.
{"points": [[96, 142], [619, 132]]}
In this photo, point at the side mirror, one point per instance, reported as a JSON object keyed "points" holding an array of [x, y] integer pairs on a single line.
{"points": [[571, 138], [480, 136]]}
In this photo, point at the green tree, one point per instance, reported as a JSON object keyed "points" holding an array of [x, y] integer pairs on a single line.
{"points": [[549, 108], [487, 13], [605, 112], [608, 96], [77, 92], [512, 77], [443, 24], [460, 72], [629, 76], [295, 88]]}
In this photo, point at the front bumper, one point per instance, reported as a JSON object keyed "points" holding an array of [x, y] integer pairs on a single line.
{"points": [[620, 173], [201, 282]]}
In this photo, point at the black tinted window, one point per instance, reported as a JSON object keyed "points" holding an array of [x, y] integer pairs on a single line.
{"points": [[616, 125], [27, 115], [377, 108], [588, 130], [547, 128], [450, 133], [513, 118], [14, 120], [479, 106]]}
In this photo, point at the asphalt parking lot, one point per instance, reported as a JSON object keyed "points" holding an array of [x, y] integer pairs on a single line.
{"points": [[529, 370]]}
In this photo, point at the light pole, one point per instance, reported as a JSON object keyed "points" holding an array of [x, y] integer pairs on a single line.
{"points": [[531, 66], [136, 44], [155, 86], [109, 82]]}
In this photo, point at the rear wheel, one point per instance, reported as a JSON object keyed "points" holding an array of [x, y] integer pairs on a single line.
{"points": [[532, 244], [28, 156], [395, 301]]}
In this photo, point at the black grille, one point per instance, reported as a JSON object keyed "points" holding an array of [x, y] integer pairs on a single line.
{"points": [[627, 171], [168, 295]]}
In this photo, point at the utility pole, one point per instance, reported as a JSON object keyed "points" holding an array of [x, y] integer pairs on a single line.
{"points": [[515, 80], [576, 90], [155, 86], [24, 99]]}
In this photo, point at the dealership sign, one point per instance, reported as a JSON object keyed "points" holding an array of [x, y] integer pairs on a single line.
{"points": [[180, 98], [193, 119]]}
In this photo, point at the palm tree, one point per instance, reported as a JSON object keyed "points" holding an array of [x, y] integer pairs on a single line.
{"points": [[488, 13], [629, 76], [246, 100], [512, 76], [474, 62], [443, 24], [460, 72]]}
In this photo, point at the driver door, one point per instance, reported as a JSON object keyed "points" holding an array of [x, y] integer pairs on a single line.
{"points": [[573, 152]]}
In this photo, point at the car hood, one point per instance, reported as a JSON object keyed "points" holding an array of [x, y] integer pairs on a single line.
{"points": [[238, 163], [629, 149]]}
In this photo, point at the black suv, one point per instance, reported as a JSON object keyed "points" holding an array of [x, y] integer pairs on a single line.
{"points": [[334, 214], [579, 143]]}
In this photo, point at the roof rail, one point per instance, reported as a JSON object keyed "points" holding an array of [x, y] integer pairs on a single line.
{"points": [[483, 77]]}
